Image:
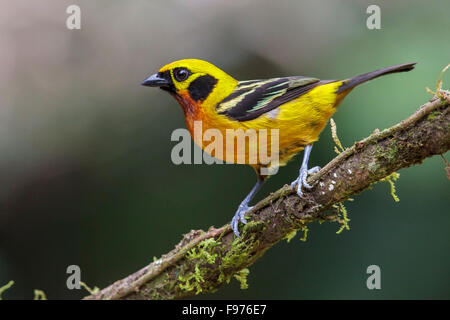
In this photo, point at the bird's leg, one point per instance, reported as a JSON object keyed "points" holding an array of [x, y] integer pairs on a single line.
{"points": [[244, 208], [300, 182]]}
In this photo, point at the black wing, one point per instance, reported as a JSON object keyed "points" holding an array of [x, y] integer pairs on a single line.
{"points": [[252, 98]]}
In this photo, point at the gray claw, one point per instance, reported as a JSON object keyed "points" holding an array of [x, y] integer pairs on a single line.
{"points": [[301, 180], [314, 170], [239, 216], [304, 175]]}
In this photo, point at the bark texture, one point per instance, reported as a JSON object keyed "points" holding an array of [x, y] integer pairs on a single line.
{"points": [[203, 261]]}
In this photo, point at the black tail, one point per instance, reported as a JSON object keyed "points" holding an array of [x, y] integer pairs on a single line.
{"points": [[352, 82]]}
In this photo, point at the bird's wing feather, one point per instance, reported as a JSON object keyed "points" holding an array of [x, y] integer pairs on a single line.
{"points": [[251, 99]]}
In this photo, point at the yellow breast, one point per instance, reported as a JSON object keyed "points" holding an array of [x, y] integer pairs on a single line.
{"points": [[298, 123]]}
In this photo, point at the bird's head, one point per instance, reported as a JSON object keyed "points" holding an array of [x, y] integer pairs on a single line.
{"points": [[195, 80]]}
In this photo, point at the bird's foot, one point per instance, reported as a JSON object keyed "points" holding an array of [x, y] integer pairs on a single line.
{"points": [[300, 182], [241, 211]]}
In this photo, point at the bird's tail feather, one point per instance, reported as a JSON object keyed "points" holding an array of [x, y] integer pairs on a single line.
{"points": [[352, 82]]}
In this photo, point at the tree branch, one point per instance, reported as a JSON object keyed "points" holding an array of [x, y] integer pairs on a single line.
{"points": [[203, 261]]}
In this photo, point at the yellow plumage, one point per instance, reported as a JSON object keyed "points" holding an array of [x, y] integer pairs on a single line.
{"points": [[299, 121]]}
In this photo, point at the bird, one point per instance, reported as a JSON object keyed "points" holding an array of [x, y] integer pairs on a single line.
{"points": [[296, 107]]}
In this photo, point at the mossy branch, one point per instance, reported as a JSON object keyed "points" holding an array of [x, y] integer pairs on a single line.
{"points": [[203, 261]]}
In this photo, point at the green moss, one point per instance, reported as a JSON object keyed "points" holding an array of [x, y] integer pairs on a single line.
{"points": [[389, 154], [373, 166], [290, 235], [156, 296], [392, 153], [38, 294], [285, 192], [206, 253], [379, 150], [203, 252], [241, 251], [433, 115], [254, 226], [241, 276], [305, 233], [293, 233], [238, 253], [192, 281]]}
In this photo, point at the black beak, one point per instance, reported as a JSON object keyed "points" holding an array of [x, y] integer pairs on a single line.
{"points": [[155, 81]]}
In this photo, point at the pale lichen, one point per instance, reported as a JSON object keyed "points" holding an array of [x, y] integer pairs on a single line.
{"points": [[391, 179], [39, 295], [438, 91], [290, 236], [344, 221], [6, 287], [335, 137], [93, 291]]}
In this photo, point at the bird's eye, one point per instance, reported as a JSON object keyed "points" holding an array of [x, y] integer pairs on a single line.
{"points": [[181, 74]]}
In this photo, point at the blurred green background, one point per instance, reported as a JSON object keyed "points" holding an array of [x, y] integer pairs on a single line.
{"points": [[85, 169]]}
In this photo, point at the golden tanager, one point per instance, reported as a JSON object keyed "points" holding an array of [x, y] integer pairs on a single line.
{"points": [[299, 107]]}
